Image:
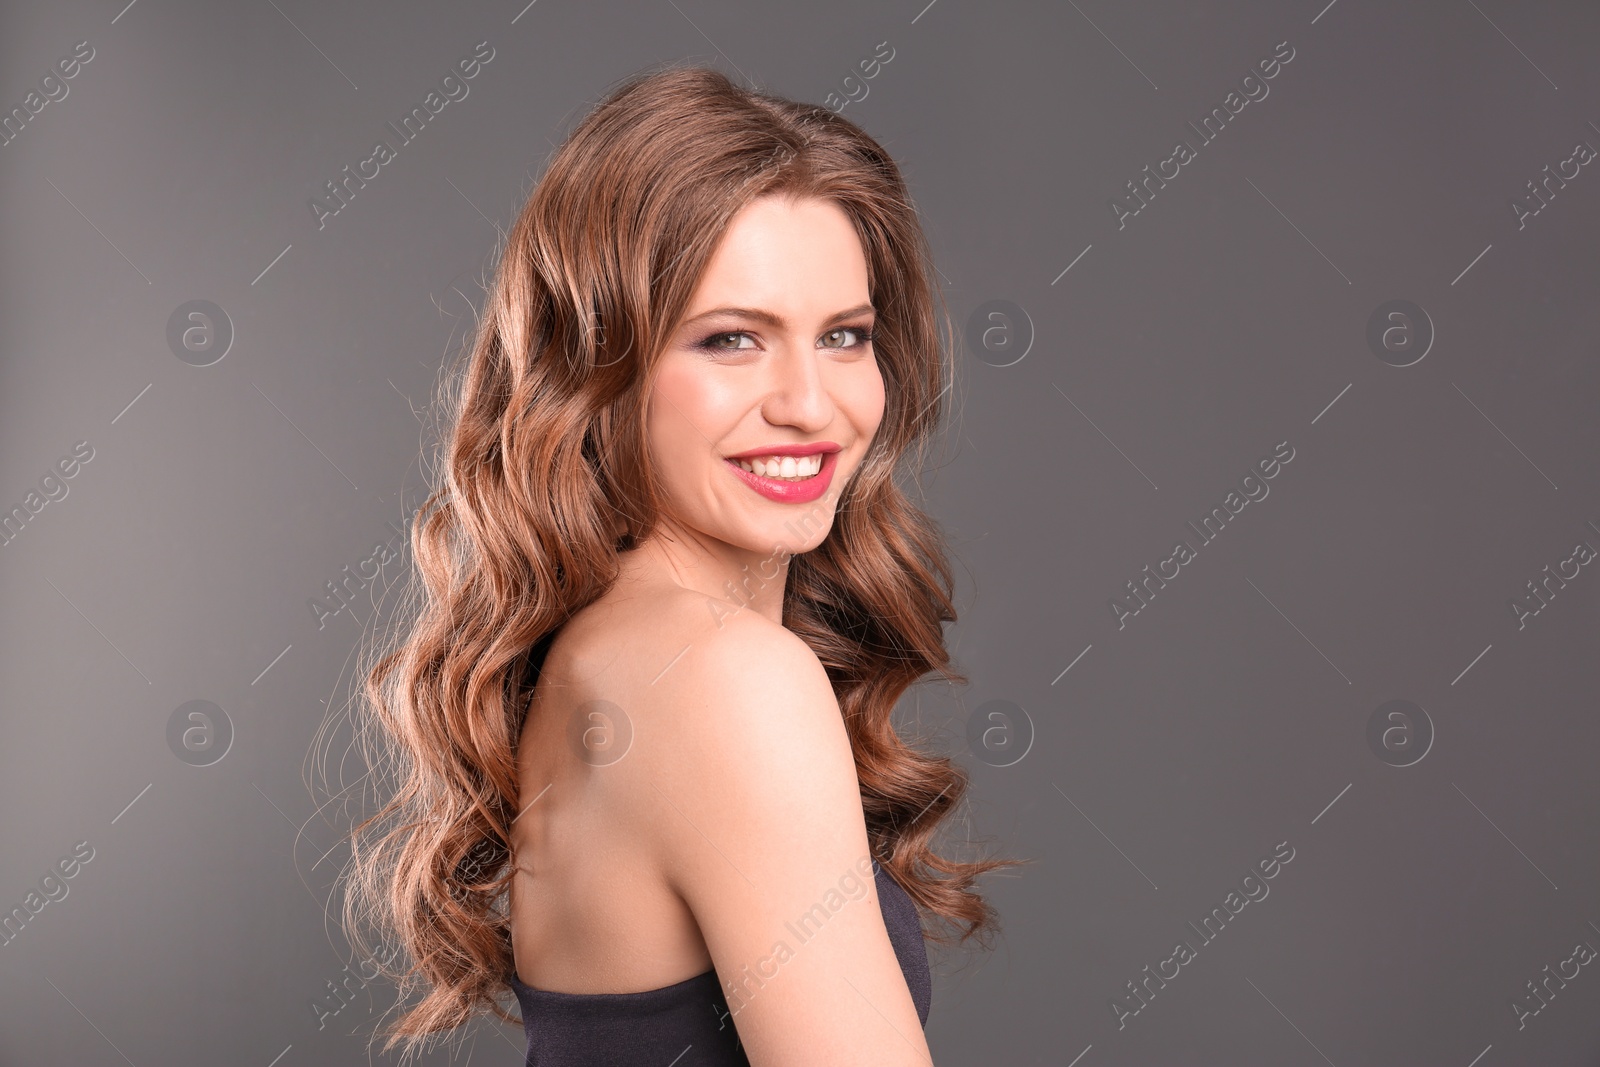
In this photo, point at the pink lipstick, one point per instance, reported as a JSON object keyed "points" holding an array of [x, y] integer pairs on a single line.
{"points": [[790, 492]]}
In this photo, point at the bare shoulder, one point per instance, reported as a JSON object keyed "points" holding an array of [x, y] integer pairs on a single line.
{"points": [[734, 795], [731, 729], [723, 711], [737, 694], [698, 681], [674, 642], [744, 796]]}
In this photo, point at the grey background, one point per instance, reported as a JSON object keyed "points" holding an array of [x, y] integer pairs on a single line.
{"points": [[1230, 314]]}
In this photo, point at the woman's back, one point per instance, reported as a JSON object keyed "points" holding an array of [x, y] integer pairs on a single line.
{"points": [[666, 738], [589, 914]]}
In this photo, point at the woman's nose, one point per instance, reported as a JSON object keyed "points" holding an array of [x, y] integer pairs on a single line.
{"points": [[797, 391]]}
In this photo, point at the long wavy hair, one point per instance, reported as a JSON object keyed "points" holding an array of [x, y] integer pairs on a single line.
{"points": [[546, 479]]}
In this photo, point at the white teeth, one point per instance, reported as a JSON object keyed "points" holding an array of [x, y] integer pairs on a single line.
{"points": [[785, 468]]}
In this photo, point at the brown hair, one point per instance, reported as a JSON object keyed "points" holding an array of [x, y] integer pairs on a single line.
{"points": [[546, 479]]}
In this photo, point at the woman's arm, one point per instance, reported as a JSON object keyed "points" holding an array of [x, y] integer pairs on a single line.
{"points": [[745, 786]]}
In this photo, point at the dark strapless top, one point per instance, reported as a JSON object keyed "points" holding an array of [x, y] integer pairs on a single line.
{"points": [[686, 1024]]}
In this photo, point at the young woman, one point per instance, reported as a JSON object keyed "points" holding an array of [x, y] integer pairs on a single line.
{"points": [[646, 777]]}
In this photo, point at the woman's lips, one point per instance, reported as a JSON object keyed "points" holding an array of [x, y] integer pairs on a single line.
{"points": [[790, 492]]}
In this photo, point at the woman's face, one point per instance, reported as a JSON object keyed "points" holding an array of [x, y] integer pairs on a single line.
{"points": [[772, 358]]}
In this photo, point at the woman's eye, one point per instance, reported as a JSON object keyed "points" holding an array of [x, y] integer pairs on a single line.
{"points": [[717, 340], [861, 337]]}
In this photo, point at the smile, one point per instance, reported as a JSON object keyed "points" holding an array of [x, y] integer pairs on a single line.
{"points": [[787, 479], [787, 468]]}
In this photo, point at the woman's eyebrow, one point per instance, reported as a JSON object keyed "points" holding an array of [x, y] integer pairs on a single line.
{"points": [[767, 318]]}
